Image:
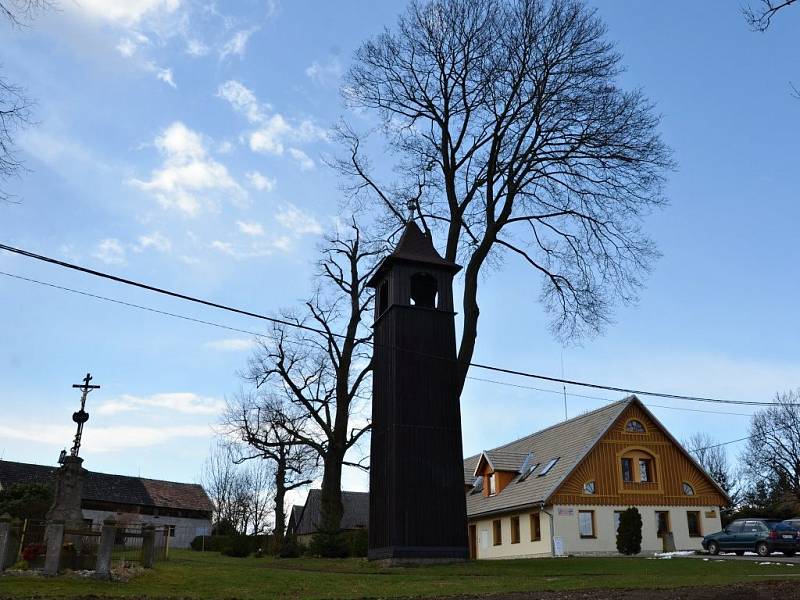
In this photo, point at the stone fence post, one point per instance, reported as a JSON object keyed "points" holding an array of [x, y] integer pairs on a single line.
{"points": [[8, 543], [105, 548], [148, 546], [54, 538]]}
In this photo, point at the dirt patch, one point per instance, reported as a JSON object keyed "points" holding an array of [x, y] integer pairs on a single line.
{"points": [[743, 591]]}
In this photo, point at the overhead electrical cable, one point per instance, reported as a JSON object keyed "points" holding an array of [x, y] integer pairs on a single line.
{"points": [[284, 322]]}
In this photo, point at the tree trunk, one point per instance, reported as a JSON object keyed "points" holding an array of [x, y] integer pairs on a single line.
{"points": [[331, 508], [280, 495]]}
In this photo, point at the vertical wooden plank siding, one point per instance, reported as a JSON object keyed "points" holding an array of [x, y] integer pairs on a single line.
{"points": [[670, 467]]}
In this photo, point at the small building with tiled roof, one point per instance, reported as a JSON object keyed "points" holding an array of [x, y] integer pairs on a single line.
{"points": [[184, 507], [304, 520], [561, 490]]}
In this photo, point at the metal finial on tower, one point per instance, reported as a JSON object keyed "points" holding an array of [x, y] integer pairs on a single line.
{"points": [[411, 205], [80, 417]]}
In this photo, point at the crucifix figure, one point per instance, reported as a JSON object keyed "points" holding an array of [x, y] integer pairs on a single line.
{"points": [[81, 416]]}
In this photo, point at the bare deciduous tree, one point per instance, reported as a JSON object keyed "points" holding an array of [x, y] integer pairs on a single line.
{"points": [[267, 428], [15, 106], [760, 17], [773, 450], [714, 459], [323, 368], [513, 138], [241, 496]]}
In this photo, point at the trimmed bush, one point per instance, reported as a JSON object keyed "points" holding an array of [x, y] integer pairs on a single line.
{"points": [[239, 546], [225, 543], [629, 534]]}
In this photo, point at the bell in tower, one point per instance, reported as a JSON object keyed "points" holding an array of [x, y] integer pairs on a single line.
{"points": [[417, 507]]}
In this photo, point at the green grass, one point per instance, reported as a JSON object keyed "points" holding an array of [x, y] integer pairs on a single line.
{"points": [[210, 575]]}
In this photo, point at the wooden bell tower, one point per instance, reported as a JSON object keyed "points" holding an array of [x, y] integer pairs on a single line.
{"points": [[417, 509]]}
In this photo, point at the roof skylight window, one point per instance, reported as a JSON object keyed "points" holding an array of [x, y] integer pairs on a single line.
{"points": [[550, 464]]}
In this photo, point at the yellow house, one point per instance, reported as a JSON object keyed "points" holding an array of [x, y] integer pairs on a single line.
{"points": [[560, 491]]}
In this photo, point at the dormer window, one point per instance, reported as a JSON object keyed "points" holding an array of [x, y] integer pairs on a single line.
{"points": [[634, 426], [492, 484]]}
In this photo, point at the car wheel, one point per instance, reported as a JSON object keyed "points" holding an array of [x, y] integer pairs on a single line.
{"points": [[789, 553], [713, 548], [762, 549], [740, 553]]}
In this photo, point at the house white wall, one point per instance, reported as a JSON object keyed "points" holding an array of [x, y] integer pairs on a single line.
{"points": [[565, 526], [524, 549], [186, 529]]}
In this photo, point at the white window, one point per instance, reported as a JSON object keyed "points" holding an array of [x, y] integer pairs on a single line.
{"points": [[586, 523], [617, 516]]}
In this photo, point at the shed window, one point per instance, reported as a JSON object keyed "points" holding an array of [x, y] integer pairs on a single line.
{"points": [[423, 290], [497, 532]]}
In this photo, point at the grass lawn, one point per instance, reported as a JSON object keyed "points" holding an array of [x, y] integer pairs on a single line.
{"points": [[209, 575]]}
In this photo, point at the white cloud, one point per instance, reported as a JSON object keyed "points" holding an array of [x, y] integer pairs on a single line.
{"points": [[103, 439], [325, 74], [154, 240], [273, 131], [261, 182], [303, 159], [251, 228], [195, 47], [189, 180], [126, 12], [231, 344], [254, 249], [237, 44], [110, 251], [182, 402], [298, 221], [165, 75]]}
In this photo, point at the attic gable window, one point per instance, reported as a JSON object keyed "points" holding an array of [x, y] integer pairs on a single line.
{"points": [[589, 488], [688, 490], [634, 426], [550, 464]]}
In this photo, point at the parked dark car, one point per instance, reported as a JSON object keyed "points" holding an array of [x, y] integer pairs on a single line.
{"points": [[762, 536], [794, 522]]}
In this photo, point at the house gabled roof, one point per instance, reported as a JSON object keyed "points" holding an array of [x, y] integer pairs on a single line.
{"points": [[569, 442], [118, 489], [355, 515]]}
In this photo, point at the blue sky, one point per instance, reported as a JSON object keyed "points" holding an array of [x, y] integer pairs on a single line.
{"points": [[180, 143]]}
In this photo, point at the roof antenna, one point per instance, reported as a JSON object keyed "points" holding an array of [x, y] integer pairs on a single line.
{"points": [[563, 385]]}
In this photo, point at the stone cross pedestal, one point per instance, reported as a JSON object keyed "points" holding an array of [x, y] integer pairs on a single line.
{"points": [[69, 491], [54, 538]]}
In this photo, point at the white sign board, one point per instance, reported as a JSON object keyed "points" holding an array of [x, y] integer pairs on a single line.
{"points": [[558, 546], [566, 511]]}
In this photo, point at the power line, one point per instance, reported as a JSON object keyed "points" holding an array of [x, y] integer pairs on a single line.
{"points": [[323, 332]]}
